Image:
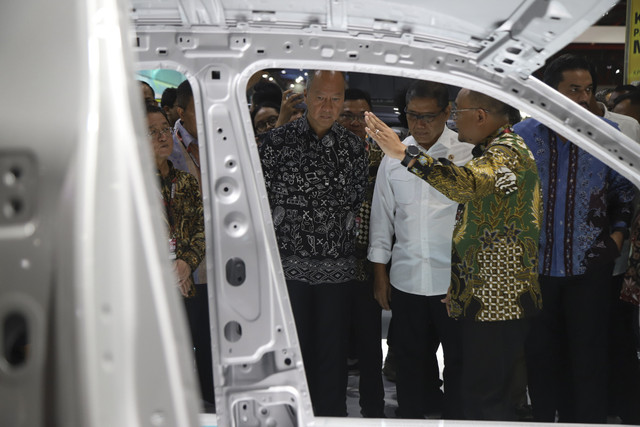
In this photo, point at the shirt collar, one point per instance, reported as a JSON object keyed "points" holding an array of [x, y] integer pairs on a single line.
{"points": [[170, 175], [605, 110], [302, 124], [187, 138], [479, 149]]}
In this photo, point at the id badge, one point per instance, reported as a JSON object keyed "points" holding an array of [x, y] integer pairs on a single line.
{"points": [[172, 248]]}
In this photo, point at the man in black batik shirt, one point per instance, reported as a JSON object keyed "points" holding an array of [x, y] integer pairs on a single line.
{"points": [[316, 176]]}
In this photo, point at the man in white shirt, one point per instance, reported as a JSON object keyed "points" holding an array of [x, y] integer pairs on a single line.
{"points": [[422, 220]]}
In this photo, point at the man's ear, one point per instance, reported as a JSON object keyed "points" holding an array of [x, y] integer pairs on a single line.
{"points": [[482, 116], [181, 113]]}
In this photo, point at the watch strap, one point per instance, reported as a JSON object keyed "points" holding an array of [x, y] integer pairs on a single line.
{"points": [[407, 158]]}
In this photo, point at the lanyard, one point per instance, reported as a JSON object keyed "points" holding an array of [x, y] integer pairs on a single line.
{"points": [[168, 203]]}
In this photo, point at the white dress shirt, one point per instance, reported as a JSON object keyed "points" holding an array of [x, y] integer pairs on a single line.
{"points": [[420, 217], [628, 125]]}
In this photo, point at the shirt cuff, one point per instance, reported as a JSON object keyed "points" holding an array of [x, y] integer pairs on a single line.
{"points": [[422, 165], [378, 255]]}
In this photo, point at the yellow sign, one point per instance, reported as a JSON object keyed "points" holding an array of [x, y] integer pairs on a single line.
{"points": [[632, 54]]}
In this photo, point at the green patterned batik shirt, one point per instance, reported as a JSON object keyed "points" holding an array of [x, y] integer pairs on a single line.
{"points": [[364, 269], [495, 240]]}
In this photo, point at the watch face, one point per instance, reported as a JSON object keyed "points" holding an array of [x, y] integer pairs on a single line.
{"points": [[413, 150]]}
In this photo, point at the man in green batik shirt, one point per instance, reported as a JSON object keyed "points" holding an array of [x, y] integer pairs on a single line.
{"points": [[494, 285]]}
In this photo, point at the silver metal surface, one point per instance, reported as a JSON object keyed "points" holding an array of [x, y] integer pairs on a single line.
{"points": [[84, 266]]}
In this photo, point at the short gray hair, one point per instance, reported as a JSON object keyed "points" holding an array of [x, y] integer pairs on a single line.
{"points": [[311, 75]]}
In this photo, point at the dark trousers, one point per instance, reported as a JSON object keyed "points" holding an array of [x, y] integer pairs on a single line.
{"points": [[492, 356], [197, 309], [415, 318], [320, 312], [624, 370], [567, 348], [366, 334]]}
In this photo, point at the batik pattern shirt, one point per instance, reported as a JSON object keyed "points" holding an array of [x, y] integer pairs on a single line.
{"points": [[185, 157], [184, 214], [315, 188], [495, 239], [364, 269], [584, 202]]}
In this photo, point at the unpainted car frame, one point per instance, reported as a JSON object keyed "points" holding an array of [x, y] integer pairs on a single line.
{"points": [[82, 262]]}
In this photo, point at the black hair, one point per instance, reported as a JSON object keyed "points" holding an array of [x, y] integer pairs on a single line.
{"points": [[151, 109], [622, 90], [625, 88], [566, 62], [514, 115], [593, 70], [266, 91], [169, 97], [355, 94], [254, 112], [427, 89], [184, 94], [633, 97], [143, 83], [153, 92]]}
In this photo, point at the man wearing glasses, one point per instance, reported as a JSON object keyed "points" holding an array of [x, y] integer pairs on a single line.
{"points": [[421, 219], [494, 287], [356, 102], [587, 211]]}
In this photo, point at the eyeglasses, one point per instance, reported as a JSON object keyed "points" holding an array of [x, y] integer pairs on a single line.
{"points": [[455, 111], [154, 133], [350, 117], [265, 125], [426, 118]]}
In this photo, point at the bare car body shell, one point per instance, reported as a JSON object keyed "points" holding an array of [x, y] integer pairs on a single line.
{"points": [[83, 263]]}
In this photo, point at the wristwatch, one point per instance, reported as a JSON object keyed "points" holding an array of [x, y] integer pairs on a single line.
{"points": [[410, 153]]}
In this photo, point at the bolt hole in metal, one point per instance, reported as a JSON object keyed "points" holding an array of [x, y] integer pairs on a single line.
{"points": [[15, 339], [233, 331], [12, 208], [12, 176]]}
